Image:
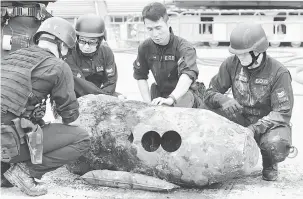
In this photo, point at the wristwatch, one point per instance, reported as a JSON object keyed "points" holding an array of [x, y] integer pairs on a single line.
{"points": [[174, 99]]}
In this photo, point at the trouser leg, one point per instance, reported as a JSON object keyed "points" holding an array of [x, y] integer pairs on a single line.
{"points": [[186, 101], [4, 182], [275, 144], [62, 144]]}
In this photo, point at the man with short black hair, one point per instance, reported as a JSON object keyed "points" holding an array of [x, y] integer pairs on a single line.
{"points": [[171, 59]]}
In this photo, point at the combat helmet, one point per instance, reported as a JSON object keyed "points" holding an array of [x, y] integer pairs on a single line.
{"points": [[60, 28], [90, 25], [247, 37]]}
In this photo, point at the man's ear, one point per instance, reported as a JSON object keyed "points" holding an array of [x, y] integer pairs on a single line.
{"points": [[169, 22]]}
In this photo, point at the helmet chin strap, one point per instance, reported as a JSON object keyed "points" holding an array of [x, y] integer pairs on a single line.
{"points": [[254, 59], [59, 49]]}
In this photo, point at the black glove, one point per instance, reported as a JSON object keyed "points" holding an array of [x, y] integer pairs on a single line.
{"points": [[231, 107]]}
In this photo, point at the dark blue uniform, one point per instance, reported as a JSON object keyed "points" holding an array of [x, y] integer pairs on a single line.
{"points": [[99, 69], [167, 64]]}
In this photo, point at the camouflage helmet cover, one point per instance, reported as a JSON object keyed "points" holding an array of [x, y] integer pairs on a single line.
{"points": [[248, 37]]}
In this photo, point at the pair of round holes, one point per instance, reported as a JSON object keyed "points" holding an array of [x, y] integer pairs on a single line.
{"points": [[170, 141]]}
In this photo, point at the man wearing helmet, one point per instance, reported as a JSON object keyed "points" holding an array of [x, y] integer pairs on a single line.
{"points": [[28, 76], [19, 22], [171, 59], [262, 94], [93, 64]]}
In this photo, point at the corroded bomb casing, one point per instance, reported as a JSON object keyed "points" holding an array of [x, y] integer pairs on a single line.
{"points": [[189, 147]]}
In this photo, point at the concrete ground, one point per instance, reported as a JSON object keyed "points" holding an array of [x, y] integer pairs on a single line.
{"points": [[62, 184]]}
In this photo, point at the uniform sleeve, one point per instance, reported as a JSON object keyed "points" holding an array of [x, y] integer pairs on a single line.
{"points": [[299, 74], [71, 60], [187, 62], [140, 65], [214, 96], [111, 73], [64, 96], [282, 100]]}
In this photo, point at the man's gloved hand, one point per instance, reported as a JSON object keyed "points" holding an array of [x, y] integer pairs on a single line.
{"points": [[231, 107]]}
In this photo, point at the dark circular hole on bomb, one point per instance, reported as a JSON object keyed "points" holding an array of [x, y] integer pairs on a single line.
{"points": [[171, 141], [151, 141]]}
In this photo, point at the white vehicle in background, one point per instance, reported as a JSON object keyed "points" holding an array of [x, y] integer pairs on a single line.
{"points": [[214, 26], [212, 21], [198, 21]]}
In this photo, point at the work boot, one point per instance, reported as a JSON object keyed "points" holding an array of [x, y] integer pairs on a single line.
{"points": [[270, 170], [19, 176], [4, 181]]}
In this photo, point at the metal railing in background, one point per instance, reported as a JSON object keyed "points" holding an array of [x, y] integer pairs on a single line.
{"points": [[212, 26]]}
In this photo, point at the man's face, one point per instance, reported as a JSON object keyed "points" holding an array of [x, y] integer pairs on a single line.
{"points": [[245, 59], [88, 44], [158, 30]]}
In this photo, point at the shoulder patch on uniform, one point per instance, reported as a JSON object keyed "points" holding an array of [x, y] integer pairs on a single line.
{"points": [[280, 92], [282, 99], [180, 61], [110, 72], [137, 64]]}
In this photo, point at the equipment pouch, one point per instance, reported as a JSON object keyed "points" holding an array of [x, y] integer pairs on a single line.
{"points": [[34, 138], [20, 41], [10, 143]]}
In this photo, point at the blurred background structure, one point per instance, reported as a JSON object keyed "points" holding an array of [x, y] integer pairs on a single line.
{"points": [[199, 21]]}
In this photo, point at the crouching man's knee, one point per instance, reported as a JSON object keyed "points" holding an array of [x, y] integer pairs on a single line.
{"points": [[277, 143]]}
